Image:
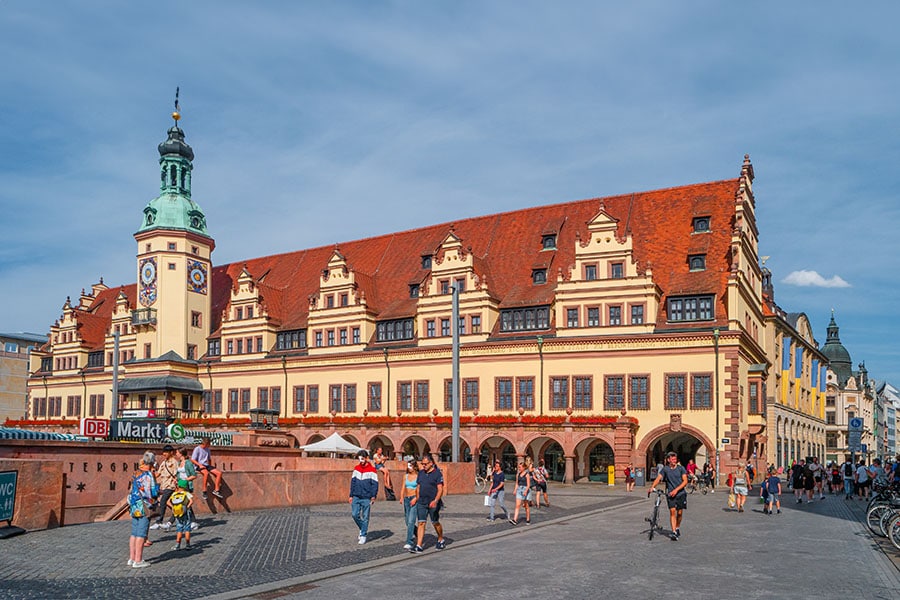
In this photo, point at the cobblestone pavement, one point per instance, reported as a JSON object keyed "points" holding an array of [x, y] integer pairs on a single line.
{"points": [[818, 550], [233, 552]]}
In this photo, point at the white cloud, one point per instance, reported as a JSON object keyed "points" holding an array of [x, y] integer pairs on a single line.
{"points": [[812, 278]]}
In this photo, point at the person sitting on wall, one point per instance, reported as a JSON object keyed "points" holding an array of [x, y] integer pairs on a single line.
{"points": [[380, 462], [205, 466]]}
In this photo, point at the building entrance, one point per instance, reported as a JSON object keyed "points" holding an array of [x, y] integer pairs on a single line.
{"points": [[683, 444]]}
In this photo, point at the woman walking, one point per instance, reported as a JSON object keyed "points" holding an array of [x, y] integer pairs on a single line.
{"points": [[144, 492], [740, 487], [629, 478], [407, 493], [523, 483]]}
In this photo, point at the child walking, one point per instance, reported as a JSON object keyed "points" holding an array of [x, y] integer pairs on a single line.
{"points": [[180, 502]]}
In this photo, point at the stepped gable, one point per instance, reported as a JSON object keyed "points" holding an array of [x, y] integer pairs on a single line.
{"points": [[94, 323]]}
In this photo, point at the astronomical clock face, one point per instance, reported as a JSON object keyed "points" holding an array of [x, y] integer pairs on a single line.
{"points": [[147, 294], [197, 276]]}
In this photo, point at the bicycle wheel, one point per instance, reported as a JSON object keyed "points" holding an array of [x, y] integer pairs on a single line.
{"points": [[704, 489], [873, 518], [480, 483], [893, 530], [886, 517], [654, 517]]}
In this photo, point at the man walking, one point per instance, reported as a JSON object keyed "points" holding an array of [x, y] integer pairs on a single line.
{"points": [[428, 502], [676, 480], [363, 491], [497, 493]]}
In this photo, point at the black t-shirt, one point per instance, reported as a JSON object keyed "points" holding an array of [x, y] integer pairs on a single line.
{"points": [[673, 477], [497, 480], [428, 484]]}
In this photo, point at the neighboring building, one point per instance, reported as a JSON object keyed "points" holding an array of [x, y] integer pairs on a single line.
{"points": [[888, 397], [15, 349], [848, 394], [592, 333], [795, 398]]}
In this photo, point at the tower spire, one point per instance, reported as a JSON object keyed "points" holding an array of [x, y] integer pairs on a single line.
{"points": [[177, 114]]}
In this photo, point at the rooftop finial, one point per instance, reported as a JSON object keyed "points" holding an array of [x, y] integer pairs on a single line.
{"points": [[177, 114]]}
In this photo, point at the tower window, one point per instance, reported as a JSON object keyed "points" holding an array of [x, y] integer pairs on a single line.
{"points": [[173, 174], [701, 224]]}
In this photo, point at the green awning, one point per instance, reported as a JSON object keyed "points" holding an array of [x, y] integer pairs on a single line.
{"points": [[161, 383]]}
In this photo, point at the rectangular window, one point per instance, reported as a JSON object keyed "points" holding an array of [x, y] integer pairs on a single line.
{"points": [[445, 286], [445, 327], [524, 319], [590, 272], [334, 393], [476, 323], [350, 398], [676, 392], [559, 393], [97, 408], [593, 317], [637, 314], [214, 347], [195, 319], [329, 301], [259, 344], [753, 398], [571, 317], [448, 394], [461, 326], [318, 339], [275, 398], [238, 313], [830, 418], [312, 398], [343, 337], [345, 300], [460, 285], [525, 391], [234, 401], [503, 399], [422, 402], [389, 331], [639, 396], [245, 400], [470, 394], [73, 406], [690, 308], [615, 315], [700, 224], [299, 398], [697, 262], [147, 351], [217, 402], [331, 337], [374, 397], [171, 246], [617, 270], [356, 335], [240, 346], [192, 352], [429, 328], [701, 396], [583, 398], [404, 395], [206, 402]]}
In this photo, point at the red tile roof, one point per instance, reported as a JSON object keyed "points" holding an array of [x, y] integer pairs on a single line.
{"points": [[506, 247]]}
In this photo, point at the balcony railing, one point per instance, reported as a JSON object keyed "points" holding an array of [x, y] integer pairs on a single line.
{"points": [[169, 413], [143, 316]]}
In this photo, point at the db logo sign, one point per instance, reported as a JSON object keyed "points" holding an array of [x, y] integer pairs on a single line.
{"points": [[95, 428]]}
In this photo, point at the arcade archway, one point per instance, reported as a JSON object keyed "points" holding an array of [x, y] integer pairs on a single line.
{"points": [[685, 445]]}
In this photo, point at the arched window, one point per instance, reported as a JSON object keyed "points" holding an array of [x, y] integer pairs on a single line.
{"points": [[173, 172], [183, 179]]}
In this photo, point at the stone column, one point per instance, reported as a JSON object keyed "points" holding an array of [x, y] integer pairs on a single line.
{"points": [[623, 444], [569, 477]]}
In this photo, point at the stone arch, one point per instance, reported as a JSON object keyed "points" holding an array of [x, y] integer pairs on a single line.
{"points": [[656, 434], [384, 442], [313, 438], [352, 439], [498, 447], [593, 456], [415, 445], [445, 449]]}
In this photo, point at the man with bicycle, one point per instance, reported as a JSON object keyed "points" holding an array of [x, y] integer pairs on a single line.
{"points": [[676, 480]]}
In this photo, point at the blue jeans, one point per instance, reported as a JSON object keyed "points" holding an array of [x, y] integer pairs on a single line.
{"points": [[498, 498], [848, 486], [409, 513], [360, 511]]}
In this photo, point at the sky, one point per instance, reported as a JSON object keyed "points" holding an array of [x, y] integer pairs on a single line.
{"points": [[314, 123]]}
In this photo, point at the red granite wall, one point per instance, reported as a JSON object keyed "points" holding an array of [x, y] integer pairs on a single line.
{"points": [[39, 493]]}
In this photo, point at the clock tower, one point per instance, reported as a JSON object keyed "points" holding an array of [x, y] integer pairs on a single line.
{"points": [[174, 260]]}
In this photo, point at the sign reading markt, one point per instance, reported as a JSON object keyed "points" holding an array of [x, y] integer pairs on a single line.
{"points": [[137, 429], [854, 435]]}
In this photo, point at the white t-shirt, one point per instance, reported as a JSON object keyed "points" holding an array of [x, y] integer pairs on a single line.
{"points": [[862, 474]]}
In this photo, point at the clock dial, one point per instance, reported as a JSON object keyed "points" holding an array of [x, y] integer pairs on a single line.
{"points": [[197, 276], [148, 271]]}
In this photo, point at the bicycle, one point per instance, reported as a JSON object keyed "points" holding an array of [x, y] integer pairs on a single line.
{"points": [[481, 483], [653, 519]]}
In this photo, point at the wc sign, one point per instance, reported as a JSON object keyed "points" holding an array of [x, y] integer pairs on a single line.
{"points": [[7, 494], [98, 428]]}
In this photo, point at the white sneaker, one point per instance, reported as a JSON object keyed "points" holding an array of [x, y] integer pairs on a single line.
{"points": [[140, 565], [195, 526], [167, 525], [405, 547], [362, 540], [130, 562], [154, 526]]}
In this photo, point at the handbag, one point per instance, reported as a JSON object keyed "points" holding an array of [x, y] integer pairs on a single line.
{"points": [[487, 500], [732, 500]]}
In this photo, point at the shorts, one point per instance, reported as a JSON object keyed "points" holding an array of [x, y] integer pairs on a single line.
{"points": [[521, 492], [679, 502], [818, 479], [741, 490], [183, 524], [629, 480], [140, 526], [542, 486], [809, 484], [379, 466], [864, 484], [424, 512], [773, 498]]}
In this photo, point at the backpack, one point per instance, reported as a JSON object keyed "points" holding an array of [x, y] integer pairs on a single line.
{"points": [[136, 504], [848, 470], [179, 503]]}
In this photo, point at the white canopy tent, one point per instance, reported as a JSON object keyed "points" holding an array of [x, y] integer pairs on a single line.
{"points": [[333, 444]]}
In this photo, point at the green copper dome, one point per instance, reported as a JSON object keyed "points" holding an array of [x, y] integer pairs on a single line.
{"points": [[838, 357], [173, 208]]}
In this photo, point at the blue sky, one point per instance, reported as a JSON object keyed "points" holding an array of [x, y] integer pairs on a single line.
{"points": [[314, 123]]}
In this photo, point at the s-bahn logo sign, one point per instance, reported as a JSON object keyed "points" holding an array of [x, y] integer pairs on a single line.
{"points": [[138, 429]]}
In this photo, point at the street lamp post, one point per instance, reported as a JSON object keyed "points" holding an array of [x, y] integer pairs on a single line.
{"points": [[716, 375]]}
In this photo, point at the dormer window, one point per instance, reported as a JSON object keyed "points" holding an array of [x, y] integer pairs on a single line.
{"points": [[697, 262], [701, 224], [539, 276], [548, 242], [426, 261], [414, 290]]}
